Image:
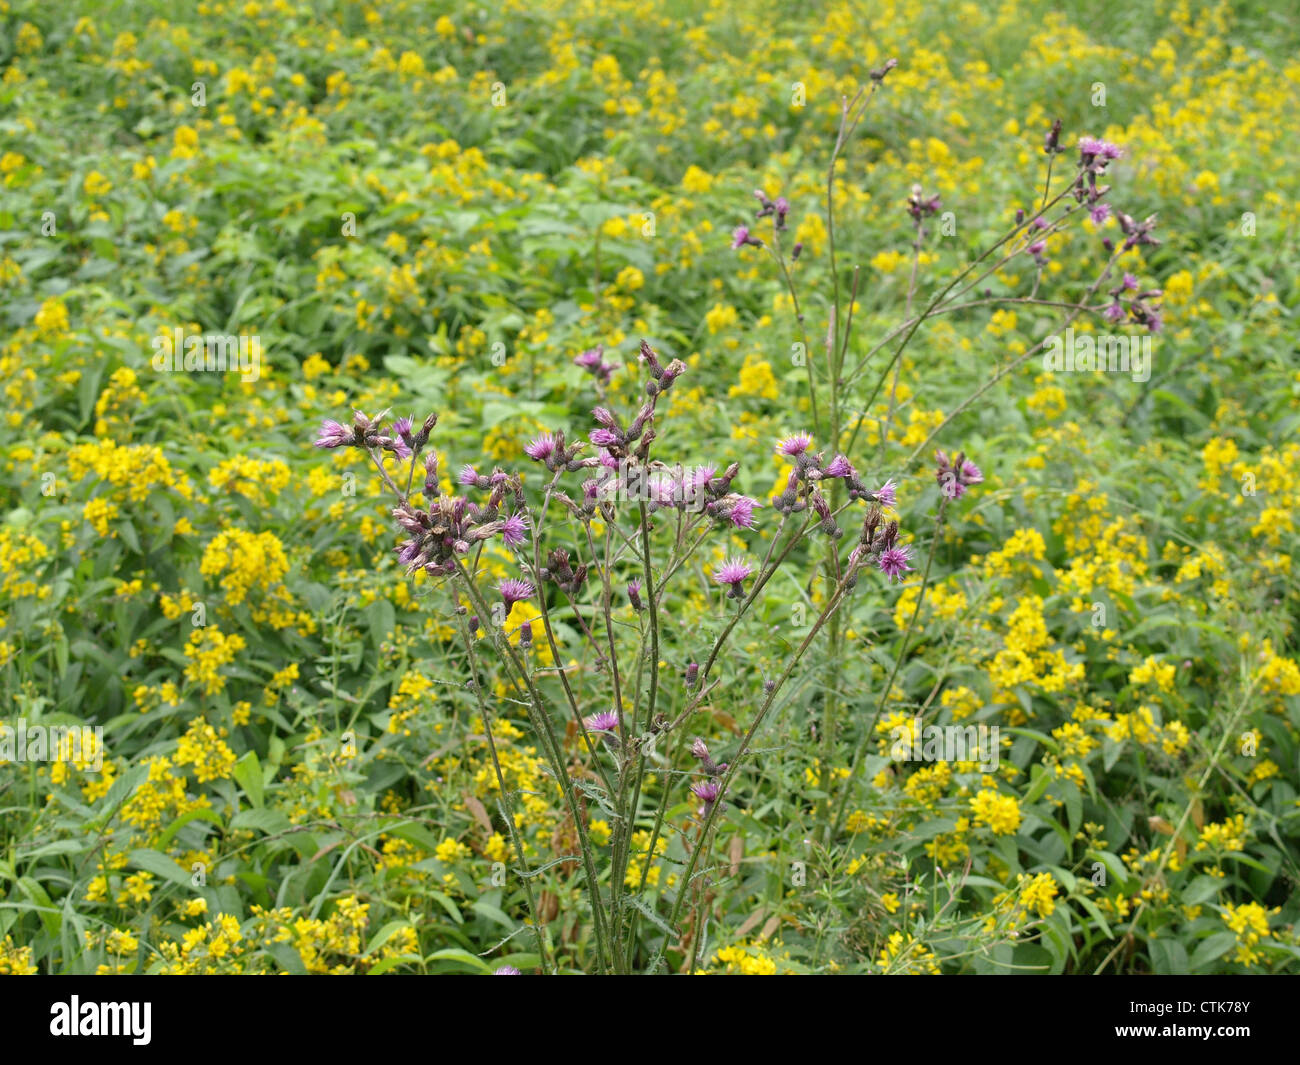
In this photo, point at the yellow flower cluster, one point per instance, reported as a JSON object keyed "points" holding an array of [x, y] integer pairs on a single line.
{"points": [[206, 751], [208, 650], [1249, 922], [1001, 813]]}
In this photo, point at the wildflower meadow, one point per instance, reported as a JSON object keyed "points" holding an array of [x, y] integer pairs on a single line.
{"points": [[634, 487]]}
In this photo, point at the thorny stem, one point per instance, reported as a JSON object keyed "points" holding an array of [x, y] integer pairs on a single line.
{"points": [[542, 724], [898, 661], [831, 606], [507, 812]]}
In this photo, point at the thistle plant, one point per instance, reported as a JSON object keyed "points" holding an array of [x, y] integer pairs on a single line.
{"points": [[608, 525]]}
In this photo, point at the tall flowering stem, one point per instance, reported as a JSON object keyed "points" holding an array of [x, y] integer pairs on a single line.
{"points": [[623, 717]]}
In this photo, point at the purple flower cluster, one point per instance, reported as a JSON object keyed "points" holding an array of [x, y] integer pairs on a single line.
{"points": [[593, 361], [775, 209], [1095, 155], [565, 576], [878, 544], [366, 432], [955, 476], [802, 490], [921, 206], [450, 525], [1142, 307]]}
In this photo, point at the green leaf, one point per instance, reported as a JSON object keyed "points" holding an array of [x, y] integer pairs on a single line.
{"points": [[462, 956], [160, 865], [201, 813], [268, 821], [1212, 948], [493, 913], [1202, 889], [37, 894], [248, 772], [1168, 957]]}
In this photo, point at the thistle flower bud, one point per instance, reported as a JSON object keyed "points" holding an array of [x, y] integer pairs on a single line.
{"points": [[426, 430], [878, 75], [1052, 142]]}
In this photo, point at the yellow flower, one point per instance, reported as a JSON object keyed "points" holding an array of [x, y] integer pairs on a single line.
{"points": [[1039, 895], [1000, 812], [629, 279], [451, 850]]}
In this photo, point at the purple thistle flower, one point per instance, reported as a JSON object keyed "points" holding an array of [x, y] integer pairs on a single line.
{"points": [[741, 236], [514, 530], [708, 792], [886, 494], [634, 594], [953, 482], [699, 748], [540, 449], [402, 427], [1114, 313], [409, 554], [794, 446], [840, 466], [1099, 213], [468, 476], [893, 562], [591, 358], [507, 970], [1130, 282], [1092, 148], [742, 512], [603, 437], [733, 572], [332, 434], [605, 417], [603, 722], [515, 591]]}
